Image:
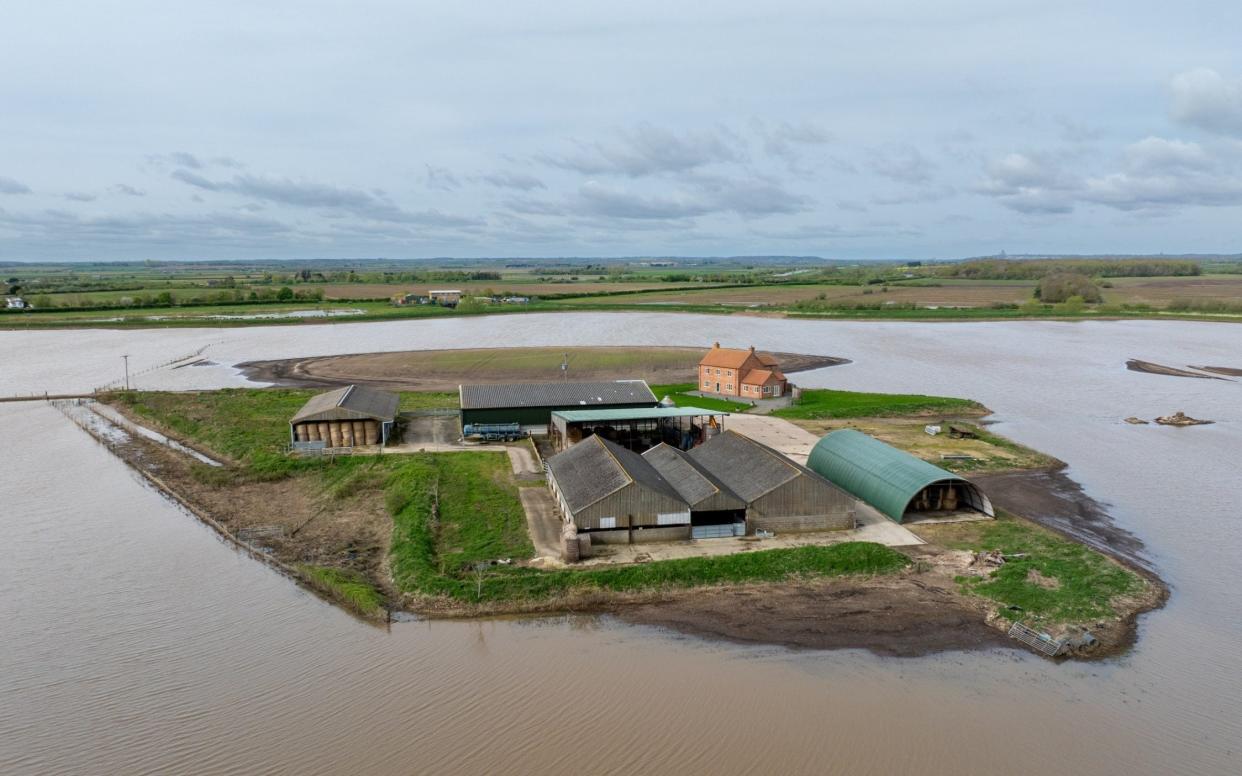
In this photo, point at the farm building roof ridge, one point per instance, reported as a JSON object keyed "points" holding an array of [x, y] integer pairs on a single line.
{"points": [[555, 394]]}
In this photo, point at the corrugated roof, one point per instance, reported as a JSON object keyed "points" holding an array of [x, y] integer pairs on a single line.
{"points": [[878, 473], [596, 468], [353, 402], [563, 395], [691, 481], [746, 467], [636, 413]]}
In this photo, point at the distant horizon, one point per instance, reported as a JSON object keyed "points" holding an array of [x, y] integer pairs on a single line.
{"points": [[770, 258]]}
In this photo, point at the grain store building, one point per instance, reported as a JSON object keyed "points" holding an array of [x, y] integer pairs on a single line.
{"points": [[728, 486], [779, 494], [896, 483], [531, 405], [615, 495], [353, 416]]}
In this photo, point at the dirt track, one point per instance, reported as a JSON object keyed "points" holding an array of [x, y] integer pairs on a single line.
{"points": [[444, 370]]}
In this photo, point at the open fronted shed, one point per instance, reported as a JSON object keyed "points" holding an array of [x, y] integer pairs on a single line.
{"points": [[891, 480], [353, 416]]}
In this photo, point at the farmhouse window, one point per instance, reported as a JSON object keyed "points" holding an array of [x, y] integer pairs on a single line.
{"points": [[608, 522]]}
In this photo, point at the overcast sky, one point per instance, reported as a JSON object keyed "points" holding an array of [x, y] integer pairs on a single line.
{"points": [[847, 129]]}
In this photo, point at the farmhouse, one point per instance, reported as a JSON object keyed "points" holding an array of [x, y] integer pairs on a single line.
{"points": [[728, 486], [531, 405], [637, 428], [748, 374], [896, 483], [15, 303], [352, 416]]}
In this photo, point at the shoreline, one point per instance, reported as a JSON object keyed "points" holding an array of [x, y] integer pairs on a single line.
{"points": [[914, 612], [344, 369]]}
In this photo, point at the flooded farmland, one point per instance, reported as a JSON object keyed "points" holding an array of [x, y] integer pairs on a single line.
{"points": [[134, 640]]}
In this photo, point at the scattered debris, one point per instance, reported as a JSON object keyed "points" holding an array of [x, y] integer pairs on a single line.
{"points": [[1136, 421], [990, 558], [962, 432], [1040, 642], [932, 430], [762, 533], [1180, 418], [956, 457]]}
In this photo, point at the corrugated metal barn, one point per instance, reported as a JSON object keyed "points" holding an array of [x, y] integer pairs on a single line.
{"points": [[893, 481], [531, 404], [352, 416], [615, 495], [780, 495]]}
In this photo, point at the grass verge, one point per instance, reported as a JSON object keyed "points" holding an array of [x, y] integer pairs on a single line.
{"points": [[350, 588], [681, 396], [821, 403]]}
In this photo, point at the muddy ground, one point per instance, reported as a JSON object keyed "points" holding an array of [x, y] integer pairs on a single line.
{"points": [[427, 370], [1051, 499], [906, 615]]}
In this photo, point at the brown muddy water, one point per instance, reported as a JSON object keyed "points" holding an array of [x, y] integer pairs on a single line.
{"points": [[133, 640]]}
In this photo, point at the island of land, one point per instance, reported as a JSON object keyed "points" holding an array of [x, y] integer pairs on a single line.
{"points": [[436, 527]]}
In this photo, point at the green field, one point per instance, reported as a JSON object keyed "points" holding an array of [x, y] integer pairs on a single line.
{"points": [[681, 396], [1047, 579], [818, 404]]}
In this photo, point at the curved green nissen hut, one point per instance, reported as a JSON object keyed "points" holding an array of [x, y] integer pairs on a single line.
{"points": [[891, 480]]}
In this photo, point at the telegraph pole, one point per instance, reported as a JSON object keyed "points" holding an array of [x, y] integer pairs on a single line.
{"points": [[126, 357]]}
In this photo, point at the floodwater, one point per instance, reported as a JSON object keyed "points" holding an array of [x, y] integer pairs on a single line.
{"points": [[133, 640]]}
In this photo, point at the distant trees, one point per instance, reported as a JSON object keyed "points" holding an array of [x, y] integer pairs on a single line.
{"points": [[1034, 269], [1063, 286]]}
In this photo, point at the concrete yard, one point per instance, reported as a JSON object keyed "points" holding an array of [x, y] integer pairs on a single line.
{"points": [[777, 433], [544, 524]]}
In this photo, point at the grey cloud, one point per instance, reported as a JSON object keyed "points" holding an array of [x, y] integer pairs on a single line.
{"points": [[441, 179], [646, 150], [10, 186], [513, 180], [319, 195], [599, 200], [1205, 99], [788, 141], [905, 164], [126, 189], [914, 196], [1028, 183], [533, 207], [701, 195], [59, 224], [80, 196], [1161, 174], [853, 205], [185, 160]]}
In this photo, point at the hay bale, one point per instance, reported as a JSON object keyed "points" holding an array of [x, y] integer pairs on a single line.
{"points": [[371, 432]]}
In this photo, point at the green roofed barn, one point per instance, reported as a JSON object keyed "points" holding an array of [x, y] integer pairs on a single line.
{"points": [[893, 481]]}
